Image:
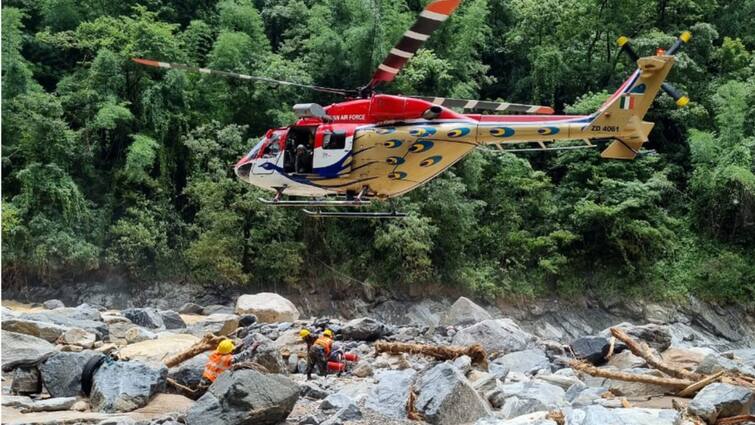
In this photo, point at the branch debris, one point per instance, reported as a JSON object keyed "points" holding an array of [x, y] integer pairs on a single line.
{"points": [[475, 352]]}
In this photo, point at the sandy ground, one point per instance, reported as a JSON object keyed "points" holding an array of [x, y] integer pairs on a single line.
{"points": [[21, 307], [157, 408]]}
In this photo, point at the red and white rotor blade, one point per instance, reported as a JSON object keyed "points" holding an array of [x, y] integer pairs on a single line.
{"points": [[487, 105], [429, 20], [227, 74]]}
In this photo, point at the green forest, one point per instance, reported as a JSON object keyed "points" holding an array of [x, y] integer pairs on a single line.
{"points": [[110, 168]]}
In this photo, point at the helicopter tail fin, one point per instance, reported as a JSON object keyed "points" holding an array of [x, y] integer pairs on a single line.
{"points": [[621, 115]]}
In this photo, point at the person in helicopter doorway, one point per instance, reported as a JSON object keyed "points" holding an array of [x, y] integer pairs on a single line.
{"points": [[319, 354], [303, 160]]}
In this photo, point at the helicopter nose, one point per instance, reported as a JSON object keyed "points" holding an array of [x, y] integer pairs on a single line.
{"points": [[243, 170]]}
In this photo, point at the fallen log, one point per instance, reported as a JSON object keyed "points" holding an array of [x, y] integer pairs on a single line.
{"points": [[629, 377], [207, 343], [642, 350], [732, 420], [697, 386], [183, 389], [475, 351]]}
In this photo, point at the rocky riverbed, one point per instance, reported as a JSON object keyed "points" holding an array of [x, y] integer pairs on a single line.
{"points": [[525, 378]]}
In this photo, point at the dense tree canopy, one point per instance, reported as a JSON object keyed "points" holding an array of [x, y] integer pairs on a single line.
{"points": [[108, 167]]}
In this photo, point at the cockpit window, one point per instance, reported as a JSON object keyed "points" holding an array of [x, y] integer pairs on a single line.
{"points": [[272, 147], [256, 148]]}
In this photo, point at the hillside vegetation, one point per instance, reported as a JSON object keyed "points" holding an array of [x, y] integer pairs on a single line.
{"points": [[113, 168]]}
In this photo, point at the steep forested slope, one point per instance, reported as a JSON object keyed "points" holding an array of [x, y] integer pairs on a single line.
{"points": [[109, 167]]}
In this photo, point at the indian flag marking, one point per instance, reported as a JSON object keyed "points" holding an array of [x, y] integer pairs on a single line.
{"points": [[626, 102]]}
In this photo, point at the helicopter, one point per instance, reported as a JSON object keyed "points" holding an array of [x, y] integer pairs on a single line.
{"points": [[375, 146]]}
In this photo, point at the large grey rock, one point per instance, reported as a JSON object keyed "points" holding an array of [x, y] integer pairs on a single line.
{"points": [[363, 329], [50, 405], [117, 331], [172, 320], [80, 337], [189, 373], [656, 336], [267, 353], [599, 415], [48, 331], [145, 317], [626, 360], [26, 381], [501, 335], [53, 304], [714, 363], [125, 386], [720, 401], [464, 312], [23, 350], [389, 396], [268, 307], [537, 418], [190, 308], [525, 361], [341, 408], [61, 373], [445, 396], [527, 397], [16, 401], [590, 348], [138, 334], [245, 397], [218, 324], [83, 317]]}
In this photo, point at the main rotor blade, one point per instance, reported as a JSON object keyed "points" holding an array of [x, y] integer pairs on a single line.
{"points": [[486, 105], [429, 20], [237, 75]]}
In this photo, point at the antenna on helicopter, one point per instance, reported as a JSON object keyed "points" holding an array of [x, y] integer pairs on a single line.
{"points": [[684, 37]]}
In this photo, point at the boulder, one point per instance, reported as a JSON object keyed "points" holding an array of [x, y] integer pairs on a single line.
{"points": [[245, 397], [656, 336], [50, 405], [117, 331], [156, 350], [626, 360], [563, 381], [464, 312], [217, 309], [83, 317], [26, 381], [125, 386], [502, 335], [590, 348], [363, 329], [53, 304], [136, 334], [521, 398], [537, 418], [48, 331], [16, 401], [23, 350], [599, 415], [268, 307], [80, 337], [145, 317], [61, 373], [218, 324], [390, 394], [713, 363], [172, 320], [719, 400], [525, 361], [189, 373], [341, 408], [683, 357], [267, 355], [445, 396], [312, 390], [362, 370], [190, 308]]}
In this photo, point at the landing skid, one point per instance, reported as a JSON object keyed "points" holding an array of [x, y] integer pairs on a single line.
{"points": [[354, 214]]}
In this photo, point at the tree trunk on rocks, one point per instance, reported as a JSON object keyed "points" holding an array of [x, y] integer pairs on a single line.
{"points": [[475, 352], [629, 377], [207, 343], [642, 350]]}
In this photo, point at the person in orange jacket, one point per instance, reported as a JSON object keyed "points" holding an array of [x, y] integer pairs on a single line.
{"points": [[222, 359], [319, 353]]}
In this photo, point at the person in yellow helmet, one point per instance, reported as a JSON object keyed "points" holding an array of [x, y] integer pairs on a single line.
{"points": [[308, 337], [222, 359], [319, 353]]}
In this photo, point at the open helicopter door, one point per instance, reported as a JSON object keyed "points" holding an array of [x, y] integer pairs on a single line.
{"points": [[332, 156], [270, 155]]}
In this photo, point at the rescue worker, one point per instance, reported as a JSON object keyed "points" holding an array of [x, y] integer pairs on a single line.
{"points": [[308, 337], [222, 359], [319, 353]]}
